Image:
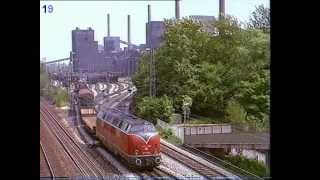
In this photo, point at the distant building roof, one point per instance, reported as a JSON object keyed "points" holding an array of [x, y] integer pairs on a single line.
{"points": [[203, 19]]}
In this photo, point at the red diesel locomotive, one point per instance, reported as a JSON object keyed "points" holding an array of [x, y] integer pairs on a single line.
{"points": [[134, 139]]}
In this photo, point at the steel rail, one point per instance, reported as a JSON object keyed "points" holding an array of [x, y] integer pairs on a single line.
{"points": [[47, 161]]}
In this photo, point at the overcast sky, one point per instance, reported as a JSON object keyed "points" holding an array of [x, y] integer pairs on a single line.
{"points": [[56, 27]]}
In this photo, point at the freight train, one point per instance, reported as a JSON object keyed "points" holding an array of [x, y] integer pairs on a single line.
{"points": [[87, 110], [135, 140]]}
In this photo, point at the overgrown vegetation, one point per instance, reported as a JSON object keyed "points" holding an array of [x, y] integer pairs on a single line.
{"points": [[226, 73], [155, 108], [58, 95], [250, 165], [260, 19], [168, 135]]}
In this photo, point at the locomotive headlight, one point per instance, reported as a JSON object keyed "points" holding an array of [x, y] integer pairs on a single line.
{"points": [[136, 151]]}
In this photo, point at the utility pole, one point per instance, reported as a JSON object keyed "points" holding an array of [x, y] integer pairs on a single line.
{"points": [[129, 47]]}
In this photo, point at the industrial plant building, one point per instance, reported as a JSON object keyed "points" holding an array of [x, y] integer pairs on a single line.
{"points": [[90, 57]]}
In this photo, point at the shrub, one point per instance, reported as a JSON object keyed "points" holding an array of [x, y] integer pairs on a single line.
{"points": [[151, 109], [235, 113], [250, 165]]}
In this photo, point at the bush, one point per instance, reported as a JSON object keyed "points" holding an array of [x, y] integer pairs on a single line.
{"points": [[168, 135], [235, 113], [151, 109], [250, 165], [59, 96]]}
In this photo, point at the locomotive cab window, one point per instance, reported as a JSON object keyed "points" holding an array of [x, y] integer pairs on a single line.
{"points": [[100, 115], [108, 117], [143, 127], [105, 115], [128, 128], [124, 126], [119, 124], [149, 128], [115, 121]]}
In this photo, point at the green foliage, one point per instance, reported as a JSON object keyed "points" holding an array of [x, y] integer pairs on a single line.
{"points": [[250, 165], [213, 69], [168, 135], [152, 109], [61, 97], [236, 113], [255, 98], [261, 19], [141, 79], [58, 95], [44, 80]]}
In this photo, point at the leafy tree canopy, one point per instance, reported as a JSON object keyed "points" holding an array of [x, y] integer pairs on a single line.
{"points": [[228, 63], [260, 19]]}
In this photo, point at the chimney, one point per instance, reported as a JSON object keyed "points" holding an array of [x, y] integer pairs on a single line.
{"points": [[129, 38], [177, 9], [148, 27], [149, 13], [221, 9], [108, 23]]}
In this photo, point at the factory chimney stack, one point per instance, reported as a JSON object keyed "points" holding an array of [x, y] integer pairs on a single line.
{"points": [[149, 13], [108, 23], [177, 9], [221, 9], [129, 38]]}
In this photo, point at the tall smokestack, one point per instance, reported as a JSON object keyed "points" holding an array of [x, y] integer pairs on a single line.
{"points": [[177, 9], [149, 13], [108, 24], [221, 9], [129, 39]]}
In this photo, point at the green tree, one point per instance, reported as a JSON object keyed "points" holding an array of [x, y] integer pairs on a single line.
{"points": [[213, 69], [61, 97], [141, 78], [261, 18], [44, 80], [255, 98], [236, 113], [151, 109]]}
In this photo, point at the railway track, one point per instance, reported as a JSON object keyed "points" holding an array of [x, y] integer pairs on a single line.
{"points": [[200, 168], [223, 164], [79, 157], [159, 173], [51, 171], [156, 173]]}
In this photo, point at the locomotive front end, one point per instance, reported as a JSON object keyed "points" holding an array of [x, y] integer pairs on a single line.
{"points": [[145, 146]]}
